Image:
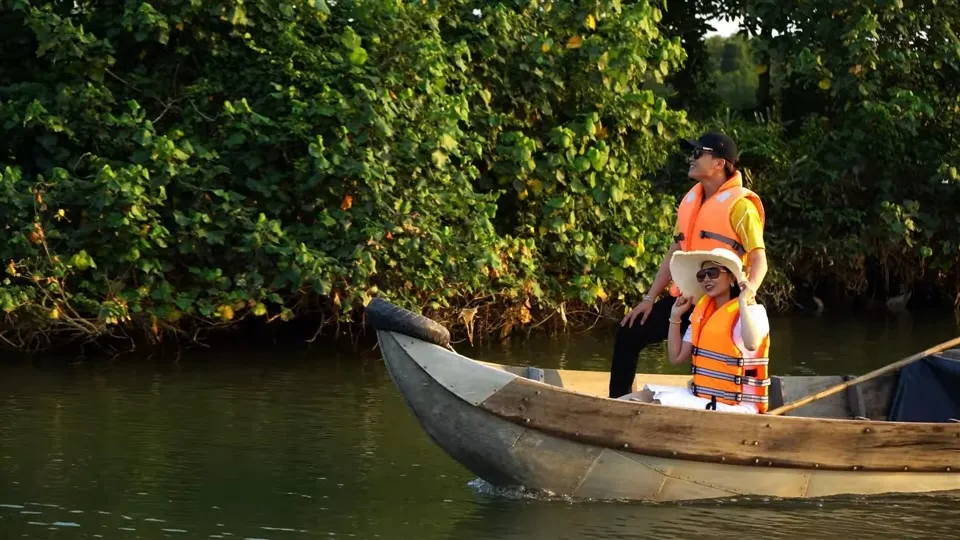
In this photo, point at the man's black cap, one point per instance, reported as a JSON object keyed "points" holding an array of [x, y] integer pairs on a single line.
{"points": [[717, 144]]}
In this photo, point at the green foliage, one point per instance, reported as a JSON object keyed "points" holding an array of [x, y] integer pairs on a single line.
{"points": [[181, 165], [735, 71], [688, 21], [864, 187]]}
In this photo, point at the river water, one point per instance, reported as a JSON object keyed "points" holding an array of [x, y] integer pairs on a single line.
{"points": [[284, 442]]}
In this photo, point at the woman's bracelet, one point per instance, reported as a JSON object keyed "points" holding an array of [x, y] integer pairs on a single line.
{"points": [[673, 321]]}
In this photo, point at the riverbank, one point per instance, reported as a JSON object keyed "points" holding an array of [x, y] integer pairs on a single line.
{"points": [[542, 329], [523, 162]]}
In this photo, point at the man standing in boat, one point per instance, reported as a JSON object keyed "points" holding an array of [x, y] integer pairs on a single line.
{"points": [[717, 212]]}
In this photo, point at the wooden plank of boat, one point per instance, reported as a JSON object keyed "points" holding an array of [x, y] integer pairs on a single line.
{"points": [[513, 431]]}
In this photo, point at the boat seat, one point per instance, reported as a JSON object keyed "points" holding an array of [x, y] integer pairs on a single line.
{"points": [[858, 409], [534, 374]]}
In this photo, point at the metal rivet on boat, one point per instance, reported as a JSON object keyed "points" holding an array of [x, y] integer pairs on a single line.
{"points": [[948, 469], [538, 392], [527, 420], [855, 467], [756, 461], [743, 441], [867, 430], [625, 445], [756, 443], [769, 464], [577, 434], [675, 453], [816, 465], [906, 468], [722, 458]]}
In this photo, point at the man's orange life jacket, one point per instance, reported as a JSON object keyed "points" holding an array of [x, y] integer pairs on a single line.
{"points": [[719, 368], [705, 225]]}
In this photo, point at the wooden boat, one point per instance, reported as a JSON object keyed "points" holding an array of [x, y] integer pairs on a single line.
{"points": [[553, 430]]}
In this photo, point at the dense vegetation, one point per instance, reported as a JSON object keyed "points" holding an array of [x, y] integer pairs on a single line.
{"points": [[170, 168]]}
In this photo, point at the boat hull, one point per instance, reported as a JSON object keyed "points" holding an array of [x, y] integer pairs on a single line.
{"points": [[445, 391]]}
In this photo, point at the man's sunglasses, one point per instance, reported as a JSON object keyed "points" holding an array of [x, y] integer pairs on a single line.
{"points": [[697, 152], [713, 273]]}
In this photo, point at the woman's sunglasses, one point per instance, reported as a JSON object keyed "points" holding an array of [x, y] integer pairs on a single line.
{"points": [[713, 273]]}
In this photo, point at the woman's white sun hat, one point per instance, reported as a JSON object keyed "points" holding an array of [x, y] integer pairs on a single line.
{"points": [[684, 266]]}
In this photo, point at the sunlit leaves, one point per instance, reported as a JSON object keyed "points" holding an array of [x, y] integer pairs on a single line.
{"points": [[195, 163]]}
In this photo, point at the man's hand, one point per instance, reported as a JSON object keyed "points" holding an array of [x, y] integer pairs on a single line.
{"points": [[643, 308]]}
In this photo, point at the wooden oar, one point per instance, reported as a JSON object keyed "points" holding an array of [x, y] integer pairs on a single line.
{"points": [[866, 377]]}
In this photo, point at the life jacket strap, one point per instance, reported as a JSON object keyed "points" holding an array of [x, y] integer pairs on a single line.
{"points": [[732, 242], [730, 360], [733, 396], [740, 380]]}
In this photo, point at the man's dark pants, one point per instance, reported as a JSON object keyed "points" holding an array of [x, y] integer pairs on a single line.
{"points": [[631, 340]]}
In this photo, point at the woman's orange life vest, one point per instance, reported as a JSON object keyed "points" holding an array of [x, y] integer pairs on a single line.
{"points": [[705, 225], [718, 366]]}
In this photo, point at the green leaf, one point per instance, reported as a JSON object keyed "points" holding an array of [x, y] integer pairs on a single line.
{"points": [[448, 143], [322, 6], [357, 56], [598, 159], [350, 39], [581, 164], [82, 261], [439, 158]]}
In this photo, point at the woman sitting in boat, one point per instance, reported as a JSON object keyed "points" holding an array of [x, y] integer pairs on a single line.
{"points": [[728, 339]]}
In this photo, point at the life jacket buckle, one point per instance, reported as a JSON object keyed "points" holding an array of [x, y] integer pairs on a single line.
{"points": [[738, 380]]}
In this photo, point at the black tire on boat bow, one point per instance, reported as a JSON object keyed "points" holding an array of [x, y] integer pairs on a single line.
{"points": [[383, 315]]}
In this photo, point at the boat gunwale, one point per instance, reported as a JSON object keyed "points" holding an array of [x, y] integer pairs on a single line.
{"points": [[823, 430], [622, 441], [767, 417]]}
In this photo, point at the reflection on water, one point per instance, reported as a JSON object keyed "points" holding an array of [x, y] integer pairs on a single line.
{"points": [[919, 517], [290, 442]]}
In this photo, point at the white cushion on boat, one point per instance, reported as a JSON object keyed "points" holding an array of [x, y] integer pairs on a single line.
{"points": [[680, 396]]}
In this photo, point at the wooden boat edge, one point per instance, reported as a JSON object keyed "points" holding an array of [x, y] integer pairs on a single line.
{"points": [[588, 471], [761, 435]]}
